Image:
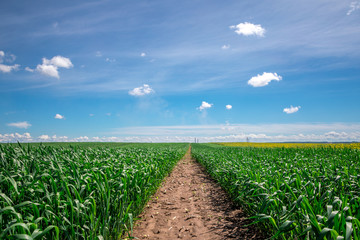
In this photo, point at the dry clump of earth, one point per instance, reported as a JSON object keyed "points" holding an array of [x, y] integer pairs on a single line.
{"points": [[191, 205]]}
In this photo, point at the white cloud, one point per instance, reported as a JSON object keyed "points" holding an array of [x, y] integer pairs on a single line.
{"points": [[291, 109], [24, 124], [239, 132], [29, 69], [48, 70], [226, 46], [228, 107], [264, 79], [205, 105], [9, 58], [248, 29], [141, 91], [300, 132], [50, 67], [110, 60], [13, 137], [98, 54], [58, 116], [58, 61], [8, 68], [91, 114], [143, 54], [44, 137], [353, 7]]}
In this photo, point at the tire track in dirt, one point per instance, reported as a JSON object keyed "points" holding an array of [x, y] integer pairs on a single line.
{"points": [[191, 205]]}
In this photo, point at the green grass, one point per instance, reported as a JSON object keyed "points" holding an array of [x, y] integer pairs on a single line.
{"points": [[81, 190], [303, 193]]}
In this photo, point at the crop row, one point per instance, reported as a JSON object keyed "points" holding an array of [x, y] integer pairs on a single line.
{"points": [[49, 192], [296, 193]]}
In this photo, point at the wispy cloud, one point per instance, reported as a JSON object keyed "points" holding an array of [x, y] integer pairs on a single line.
{"points": [[7, 58], [143, 54], [111, 60], [248, 29], [24, 124], [264, 79], [29, 69], [225, 47], [291, 109], [353, 7], [141, 91], [228, 107]]}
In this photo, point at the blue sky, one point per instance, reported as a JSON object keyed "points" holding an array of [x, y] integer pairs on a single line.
{"points": [[174, 70]]}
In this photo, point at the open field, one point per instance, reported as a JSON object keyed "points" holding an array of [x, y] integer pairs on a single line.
{"points": [[57, 191], [296, 193], [97, 190]]}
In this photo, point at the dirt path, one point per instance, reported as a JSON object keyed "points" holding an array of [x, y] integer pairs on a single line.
{"points": [[190, 205]]}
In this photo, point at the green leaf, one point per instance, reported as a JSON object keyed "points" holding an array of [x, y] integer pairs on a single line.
{"points": [[22, 236], [349, 231]]}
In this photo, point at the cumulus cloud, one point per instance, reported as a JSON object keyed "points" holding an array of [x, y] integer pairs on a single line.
{"points": [[141, 91], [50, 67], [228, 107], [143, 54], [264, 79], [48, 70], [8, 68], [24, 124], [205, 105], [291, 109], [44, 137], [353, 7], [2, 54], [58, 61], [58, 116], [333, 132], [14, 137], [248, 29], [226, 46]]}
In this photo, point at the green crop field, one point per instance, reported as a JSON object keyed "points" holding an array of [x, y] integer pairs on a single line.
{"points": [[296, 193], [78, 191]]}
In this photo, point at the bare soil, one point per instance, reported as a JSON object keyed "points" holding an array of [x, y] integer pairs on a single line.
{"points": [[191, 205]]}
